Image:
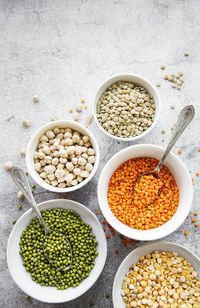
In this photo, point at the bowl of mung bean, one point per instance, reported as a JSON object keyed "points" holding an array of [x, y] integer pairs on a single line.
{"points": [[158, 274], [62, 156], [33, 273], [135, 220], [126, 107]]}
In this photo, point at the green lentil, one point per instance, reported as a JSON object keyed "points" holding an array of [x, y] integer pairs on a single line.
{"points": [[91, 304], [19, 207], [26, 172], [13, 221], [82, 241], [27, 297], [33, 186], [107, 295]]}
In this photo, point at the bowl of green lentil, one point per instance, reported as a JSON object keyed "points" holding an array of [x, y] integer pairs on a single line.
{"points": [[31, 270], [126, 107]]}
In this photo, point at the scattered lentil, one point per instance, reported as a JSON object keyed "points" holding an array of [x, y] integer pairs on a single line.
{"points": [[13, 221], [19, 206], [158, 84], [193, 220], [162, 67], [195, 213], [197, 173], [196, 224], [186, 233], [179, 152], [172, 107], [186, 54], [166, 77]]}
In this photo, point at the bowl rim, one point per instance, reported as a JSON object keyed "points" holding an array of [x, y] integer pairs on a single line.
{"points": [[121, 76], [103, 238], [169, 245], [142, 235], [29, 157]]}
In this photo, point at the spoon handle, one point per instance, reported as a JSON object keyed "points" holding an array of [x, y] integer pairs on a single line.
{"points": [[185, 117], [20, 179]]}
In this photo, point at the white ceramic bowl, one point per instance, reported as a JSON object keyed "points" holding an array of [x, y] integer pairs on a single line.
{"points": [[133, 258], [182, 178], [130, 78], [32, 145], [23, 278]]}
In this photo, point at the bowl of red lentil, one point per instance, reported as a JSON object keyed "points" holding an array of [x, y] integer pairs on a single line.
{"points": [[115, 193]]}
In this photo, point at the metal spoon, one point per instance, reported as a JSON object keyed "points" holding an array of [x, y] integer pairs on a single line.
{"points": [[185, 117], [20, 179]]}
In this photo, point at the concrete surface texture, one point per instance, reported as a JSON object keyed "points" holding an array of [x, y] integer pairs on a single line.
{"points": [[61, 51]]}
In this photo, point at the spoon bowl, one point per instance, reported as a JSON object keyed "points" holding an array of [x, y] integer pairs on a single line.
{"points": [[20, 179], [185, 117]]}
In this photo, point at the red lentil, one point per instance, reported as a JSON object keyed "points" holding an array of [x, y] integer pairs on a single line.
{"points": [[120, 195]]}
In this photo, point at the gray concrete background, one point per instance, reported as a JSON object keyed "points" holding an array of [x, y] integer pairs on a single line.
{"points": [[61, 51]]}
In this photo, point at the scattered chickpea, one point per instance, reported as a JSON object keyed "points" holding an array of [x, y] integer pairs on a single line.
{"points": [[54, 117], [186, 54], [26, 123], [76, 116], [35, 98], [23, 151], [163, 131], [20, 195], [8, 165], [78, 108]]}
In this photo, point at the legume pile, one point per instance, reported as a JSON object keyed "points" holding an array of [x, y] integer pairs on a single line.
{"points": [[161, 279], [126, 109], [64, 157], [57, 250], [120, 195], [82, 241], [146, 190]]}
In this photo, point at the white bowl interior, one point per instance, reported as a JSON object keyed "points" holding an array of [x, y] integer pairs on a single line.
{"points": [[130, 78], [133, 258], [23, 278], [32, 146], [182, 178]]}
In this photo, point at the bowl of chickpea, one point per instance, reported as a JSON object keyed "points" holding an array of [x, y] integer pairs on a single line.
{"points": [[62, 156]]}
